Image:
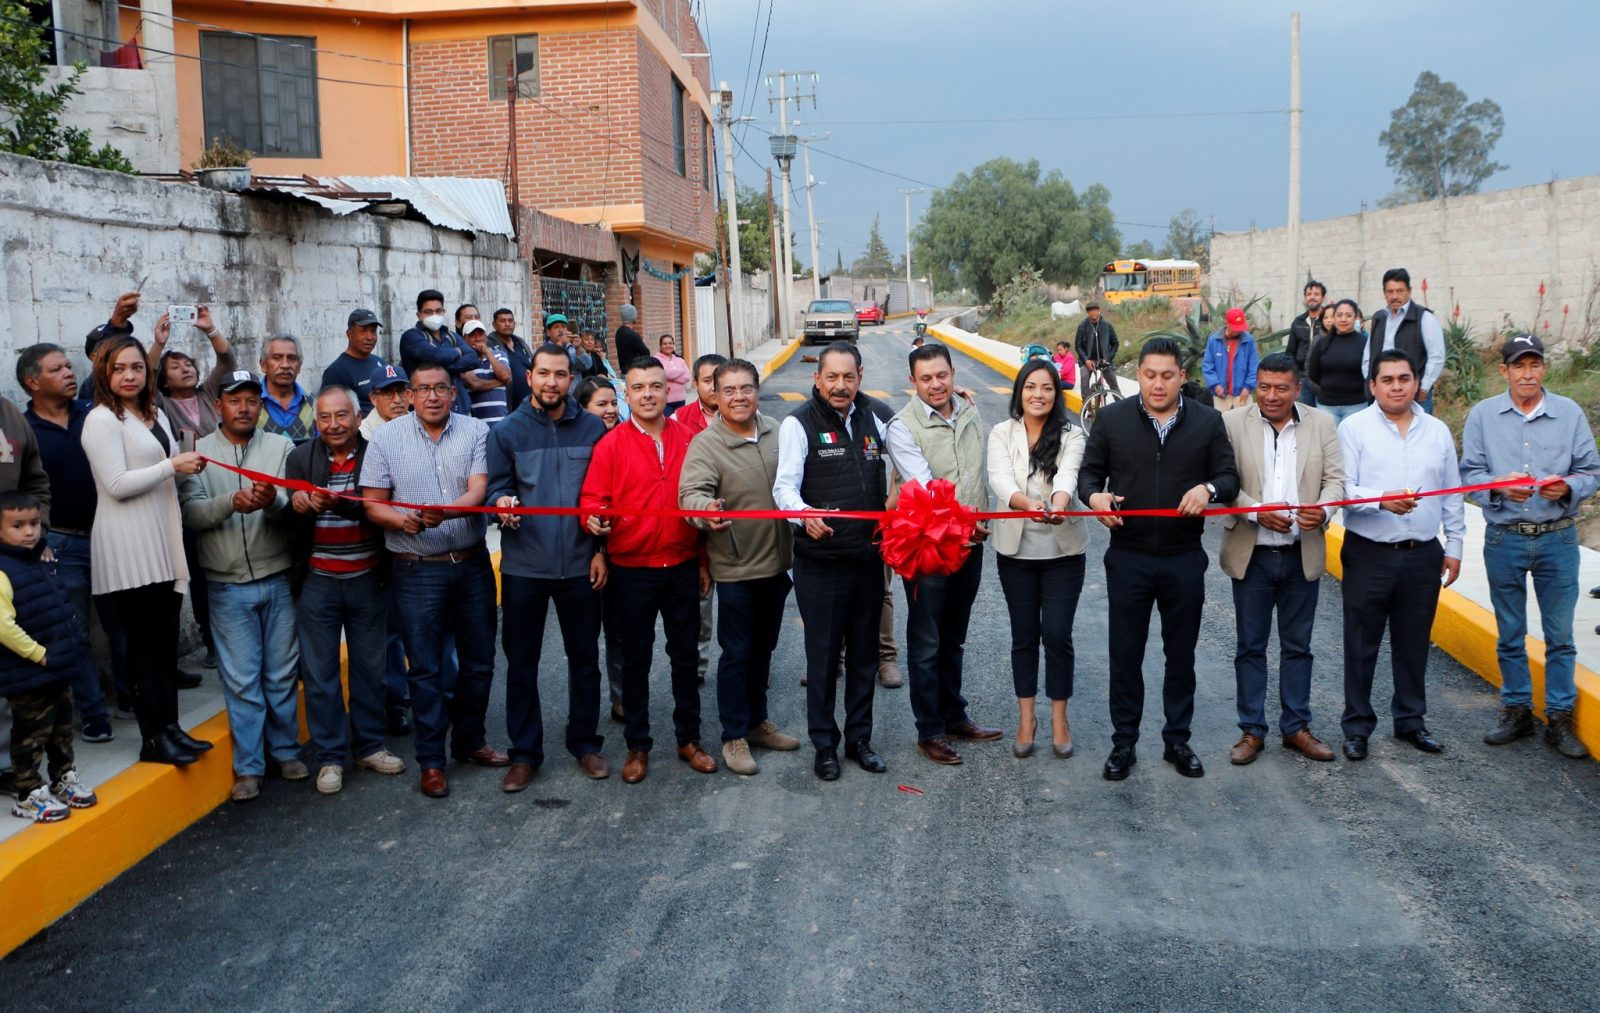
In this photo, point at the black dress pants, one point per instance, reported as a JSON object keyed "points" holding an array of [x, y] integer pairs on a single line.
{"points": [[1397, 588], [1176, 585], [149, 618], [840, 602]]}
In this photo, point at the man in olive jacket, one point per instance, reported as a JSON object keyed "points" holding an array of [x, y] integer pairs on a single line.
{"points": [[731, 465]]}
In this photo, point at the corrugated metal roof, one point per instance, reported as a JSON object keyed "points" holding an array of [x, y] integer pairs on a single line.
{"points": [[471, 205]]}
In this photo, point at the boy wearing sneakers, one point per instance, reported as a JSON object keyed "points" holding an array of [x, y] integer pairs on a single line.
{"points": [[43, 646]]}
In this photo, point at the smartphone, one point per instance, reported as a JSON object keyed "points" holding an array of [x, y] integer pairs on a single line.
{"points": [[182, 314]]}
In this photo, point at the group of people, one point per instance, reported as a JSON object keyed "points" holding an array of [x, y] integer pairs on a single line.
{"points": [[610, 487]]}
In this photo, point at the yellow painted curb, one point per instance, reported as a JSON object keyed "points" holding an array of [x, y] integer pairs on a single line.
{"points": [[46, 870], [777, 361]]}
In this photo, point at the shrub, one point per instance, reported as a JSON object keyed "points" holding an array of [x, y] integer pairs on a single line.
{"points": [[31, 110]]}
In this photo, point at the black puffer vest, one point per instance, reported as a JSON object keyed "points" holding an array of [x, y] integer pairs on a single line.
{"points": [[45, 613], [843, 474]]}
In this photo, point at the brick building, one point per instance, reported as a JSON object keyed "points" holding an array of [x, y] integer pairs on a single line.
{"points": [[613, 119]]}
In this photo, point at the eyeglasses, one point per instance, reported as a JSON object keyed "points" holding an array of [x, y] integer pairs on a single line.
{"points": [[441, 389], [747, 390]]}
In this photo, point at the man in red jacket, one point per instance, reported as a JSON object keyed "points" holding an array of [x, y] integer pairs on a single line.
{"points": [[657, 567]]}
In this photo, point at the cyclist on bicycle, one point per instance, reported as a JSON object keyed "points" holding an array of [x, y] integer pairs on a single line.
{"points": [[1096, 345]]}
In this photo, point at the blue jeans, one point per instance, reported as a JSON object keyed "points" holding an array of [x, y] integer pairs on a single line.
{"points": [[1552, 559], [749, 619], [435, 600], [356, 608], [258, 657], [1274, 580], [397, 692], [527, 600], [72, 570], [938, 608], [1340, 412]]}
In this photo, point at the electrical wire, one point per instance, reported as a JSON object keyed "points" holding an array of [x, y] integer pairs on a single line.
{"points": [[1055, 119], [761, 64]]}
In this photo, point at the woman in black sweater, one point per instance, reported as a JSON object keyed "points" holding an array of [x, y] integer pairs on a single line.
{"points": [[1334, 365]]}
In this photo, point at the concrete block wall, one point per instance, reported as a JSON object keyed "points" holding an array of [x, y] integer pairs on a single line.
{"points": [[75, 238], [1487, 253]]}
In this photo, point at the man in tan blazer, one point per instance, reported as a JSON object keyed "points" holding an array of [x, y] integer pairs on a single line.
{"points": [[1288, 455]]}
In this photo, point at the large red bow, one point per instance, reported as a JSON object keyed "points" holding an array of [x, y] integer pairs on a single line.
{"points": [[929, 531]]}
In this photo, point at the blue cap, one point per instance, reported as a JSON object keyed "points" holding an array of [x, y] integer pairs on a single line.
{"points": [[386, 376]]}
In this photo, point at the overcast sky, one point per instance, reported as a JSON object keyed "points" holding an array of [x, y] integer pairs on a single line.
{"points": [[940, 60]]}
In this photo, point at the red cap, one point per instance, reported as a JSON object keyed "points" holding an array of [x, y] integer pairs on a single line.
{"points": [[1235, 319]]}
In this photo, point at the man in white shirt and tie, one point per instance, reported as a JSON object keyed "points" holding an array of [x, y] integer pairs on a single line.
{"points": [[1394, 566]]}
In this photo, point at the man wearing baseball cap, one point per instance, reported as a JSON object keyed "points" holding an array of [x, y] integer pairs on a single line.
{"points": [[1532, 433], [244, 548], [354, 366], [1230, 362]]}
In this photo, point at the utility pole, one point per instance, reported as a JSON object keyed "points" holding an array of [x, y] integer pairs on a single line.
{"points": [[735, 265], [783, 146], [511, 138], [1294, 164], [907, 194], [811, 212], [775, 260]]}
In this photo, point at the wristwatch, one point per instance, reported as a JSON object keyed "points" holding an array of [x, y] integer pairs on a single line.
{"points": [[1212, 489]]}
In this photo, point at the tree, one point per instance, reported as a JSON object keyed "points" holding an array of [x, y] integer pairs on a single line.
{"points": [[1187, 239], [1142, 250], [1438, 145], [1006, 215], [877, 261], [838, 261], [755, 229], [31, 110]]}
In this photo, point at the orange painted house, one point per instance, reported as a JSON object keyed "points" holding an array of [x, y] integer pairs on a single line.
{"points": [[612, 112]]}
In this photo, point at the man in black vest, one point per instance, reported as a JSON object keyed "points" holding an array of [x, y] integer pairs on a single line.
{"points": [[1303, 330], [831, 456], [1159, 450], [1410, 327]]}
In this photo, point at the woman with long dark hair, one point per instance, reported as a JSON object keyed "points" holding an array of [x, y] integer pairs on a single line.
{"points": [[1334, 365], [1033, 465], [136, 554]]}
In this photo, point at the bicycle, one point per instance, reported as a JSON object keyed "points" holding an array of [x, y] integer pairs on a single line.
{"points": [[1101, 391]]}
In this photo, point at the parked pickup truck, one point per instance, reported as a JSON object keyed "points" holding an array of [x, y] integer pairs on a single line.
{"points": [[831, 320]]}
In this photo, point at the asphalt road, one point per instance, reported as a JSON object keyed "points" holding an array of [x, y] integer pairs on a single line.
{"points": [[1467, 880]]}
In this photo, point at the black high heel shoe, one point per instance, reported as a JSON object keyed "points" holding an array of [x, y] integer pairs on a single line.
{"points": [[162, 749], [185, 741]]}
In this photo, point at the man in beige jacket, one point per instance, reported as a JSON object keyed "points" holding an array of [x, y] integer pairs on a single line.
{"points": [[731, 465], [1288, 456]]}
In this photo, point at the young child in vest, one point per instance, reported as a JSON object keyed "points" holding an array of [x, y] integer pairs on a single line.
{"points": [[43, 643]]}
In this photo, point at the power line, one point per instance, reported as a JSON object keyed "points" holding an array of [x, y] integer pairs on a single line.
{"points": [[761, 63], [285, 43], [1054, 119]]}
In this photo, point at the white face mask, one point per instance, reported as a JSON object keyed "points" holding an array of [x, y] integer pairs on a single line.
{"points": [[434, 322]]}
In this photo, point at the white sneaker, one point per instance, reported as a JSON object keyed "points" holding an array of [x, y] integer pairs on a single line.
{"points": [[330, 779], [41, 807], [74, 792], [383, 762]]}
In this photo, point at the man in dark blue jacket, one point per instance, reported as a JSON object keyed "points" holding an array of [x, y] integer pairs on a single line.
{"points": [[433, 342], [538, 456]]}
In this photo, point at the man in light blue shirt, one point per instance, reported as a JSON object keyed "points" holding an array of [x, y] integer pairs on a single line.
{"points": [[1394, 566], [1535, 434]]}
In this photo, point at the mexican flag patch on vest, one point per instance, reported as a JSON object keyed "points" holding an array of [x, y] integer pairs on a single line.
{"points": [[827, 439]]}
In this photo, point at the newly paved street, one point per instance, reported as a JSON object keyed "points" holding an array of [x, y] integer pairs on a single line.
{"points": [[1467, 880]]}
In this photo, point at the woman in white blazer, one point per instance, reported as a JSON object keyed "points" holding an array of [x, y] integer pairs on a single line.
{"points": [[136, 549], [1033, 465]]}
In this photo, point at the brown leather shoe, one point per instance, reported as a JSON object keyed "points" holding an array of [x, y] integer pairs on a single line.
{"points": [[1308, 745], [487, 756], [969, 730], [1245, 750], [698, 759], [634, 767], [939, 750], [433, 783], [594, 766], [518, 777]]}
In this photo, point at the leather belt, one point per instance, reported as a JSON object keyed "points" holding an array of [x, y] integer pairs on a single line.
{"points": [[1534, 528], [1291, 547], [458, 556], [74, 532], [1409, 543]]}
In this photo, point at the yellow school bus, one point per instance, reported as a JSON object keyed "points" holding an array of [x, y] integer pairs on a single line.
{"points": [[1125, 280]]}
